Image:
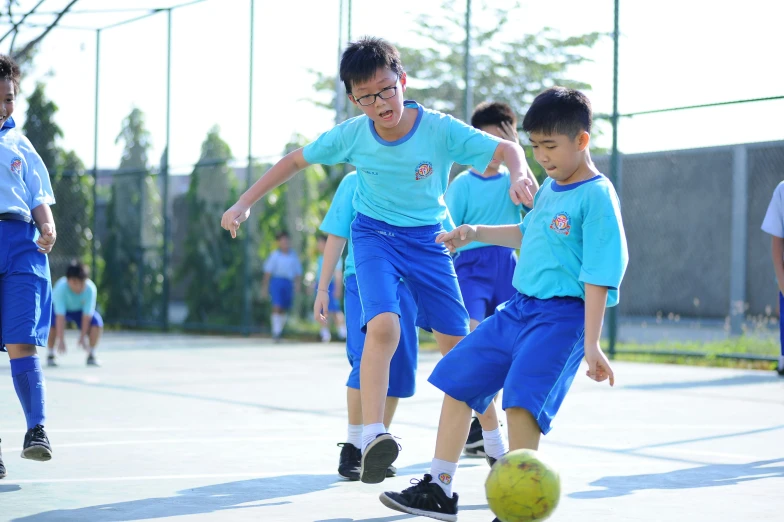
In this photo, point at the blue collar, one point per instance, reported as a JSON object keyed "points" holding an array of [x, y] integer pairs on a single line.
{"points": [[571, 186], [406, 103], [483, 178], [9, 124]]}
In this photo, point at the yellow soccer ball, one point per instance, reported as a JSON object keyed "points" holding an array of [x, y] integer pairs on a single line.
{"points": [[522, 488]]}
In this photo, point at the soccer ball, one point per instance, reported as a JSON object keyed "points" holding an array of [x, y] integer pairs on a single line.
{"points": [[522, 488]]}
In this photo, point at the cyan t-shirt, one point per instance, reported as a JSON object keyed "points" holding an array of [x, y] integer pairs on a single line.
{"points": [[339, 217], [773, 223], [403, 182], [320, 263], [476, 200], [574, 235], [65, 300]]}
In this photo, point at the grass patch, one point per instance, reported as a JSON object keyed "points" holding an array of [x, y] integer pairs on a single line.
{"points": [[690, 353]]}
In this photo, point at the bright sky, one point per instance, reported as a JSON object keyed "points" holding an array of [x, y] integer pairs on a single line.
{"points": [[672, 53]]}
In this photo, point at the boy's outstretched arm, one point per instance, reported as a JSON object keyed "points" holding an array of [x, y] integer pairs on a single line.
{"points": [[281, 172], [777, 251], [332, 252], [502, 235], [524, 184], [595, 303]]}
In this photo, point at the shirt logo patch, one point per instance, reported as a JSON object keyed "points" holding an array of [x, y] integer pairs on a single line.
{"points": [[16, 166], [561, 223], [424, 170]]}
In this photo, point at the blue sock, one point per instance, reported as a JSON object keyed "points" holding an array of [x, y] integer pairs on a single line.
{"points": [[30, 388]]}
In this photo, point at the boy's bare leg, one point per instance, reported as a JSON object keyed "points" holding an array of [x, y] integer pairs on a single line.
{"points": [[472, 324], [452, 429], [354, 406], [95, 336], [524, 431], [488, 419], [381, 340], [390, 407]]}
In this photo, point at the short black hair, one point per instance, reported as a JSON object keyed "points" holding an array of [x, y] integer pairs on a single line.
{"points": [[363, 58], [282, 234], [77, 270], [493, 113], [559, 110], [9, 70]]}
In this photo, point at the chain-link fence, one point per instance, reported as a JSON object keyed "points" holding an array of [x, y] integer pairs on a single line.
{"points": [[699, 266]]}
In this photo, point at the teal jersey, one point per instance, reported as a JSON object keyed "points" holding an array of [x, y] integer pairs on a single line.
{"points": [[339, 217], [403, 182], [475, 200], [320, 263], [574, 235], [65, 300]]}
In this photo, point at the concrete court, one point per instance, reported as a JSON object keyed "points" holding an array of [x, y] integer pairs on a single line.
{"points": [[208, 428]]}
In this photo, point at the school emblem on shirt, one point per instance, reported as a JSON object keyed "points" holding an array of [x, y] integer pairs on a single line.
{"points": [[561, 223], [16, 166], [424, 170]]}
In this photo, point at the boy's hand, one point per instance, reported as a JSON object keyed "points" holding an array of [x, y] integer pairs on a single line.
{"points": [[321, 307], [508, 132], [522, 191], [46, 238], [232, 218], [460, 236], [83, 344], [598, 366]]}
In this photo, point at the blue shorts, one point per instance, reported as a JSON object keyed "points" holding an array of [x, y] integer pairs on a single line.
{"points": [[76, 317], [530, 347], [402, 369], [25, 287], [281, 292], [485, 277], [334, 302], [384, 254]]}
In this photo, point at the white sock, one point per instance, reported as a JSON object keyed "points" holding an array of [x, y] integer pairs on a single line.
{"points": [[370, 432], [342, 332], [355, 435], [495, 445], [277, 324], [443, 473], [283, 319], [325, 334], [781, 362]]}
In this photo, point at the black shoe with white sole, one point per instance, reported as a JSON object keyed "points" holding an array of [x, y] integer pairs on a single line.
{"points": [[475, 445], [424, 499], [350, 461], [377, 458], [36, 445]]}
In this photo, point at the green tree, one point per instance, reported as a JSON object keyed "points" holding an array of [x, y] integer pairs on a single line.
{"points": [[72, 187], [132, 280], [508, 67], [212, 259]]}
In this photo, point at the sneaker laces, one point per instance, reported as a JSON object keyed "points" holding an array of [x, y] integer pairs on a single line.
{"points": [[38, 433], [422, 495], [419, 486]]}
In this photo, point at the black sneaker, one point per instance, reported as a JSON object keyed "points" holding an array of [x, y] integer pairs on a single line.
{"points": [[350, 461], [92, 361], [780, 371], [2, 466], [377, 458], [423, 499], [391, 471], [36, 445], [51, 362], [475, 445], [490, 460]]}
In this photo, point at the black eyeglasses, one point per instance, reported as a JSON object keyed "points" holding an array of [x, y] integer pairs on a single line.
{"points": [[370, 99]]}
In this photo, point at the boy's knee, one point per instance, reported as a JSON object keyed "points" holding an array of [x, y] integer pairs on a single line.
{"points": [[384, 329]]}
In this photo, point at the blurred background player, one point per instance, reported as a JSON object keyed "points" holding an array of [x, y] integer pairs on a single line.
{"points": [[25, 287], [335, 293], [402, 368], [282, 276], [773, 224], [73, 301], [484, 271]]}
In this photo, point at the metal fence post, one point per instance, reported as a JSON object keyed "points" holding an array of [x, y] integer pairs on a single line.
{"points": [[739, 240]]}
